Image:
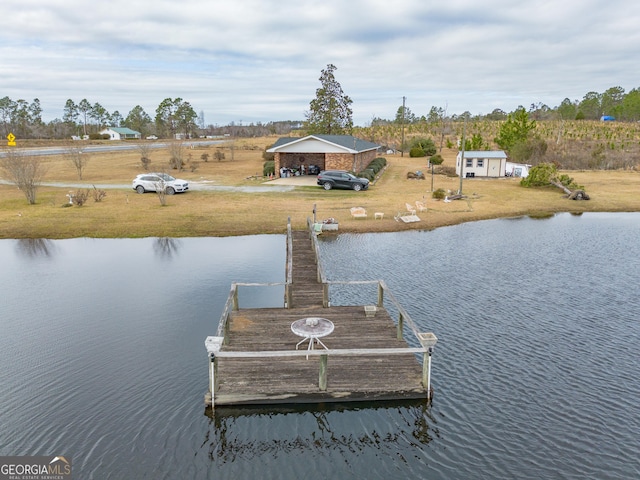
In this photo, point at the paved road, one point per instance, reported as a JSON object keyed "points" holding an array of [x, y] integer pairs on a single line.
{"points": [[39, 151]]}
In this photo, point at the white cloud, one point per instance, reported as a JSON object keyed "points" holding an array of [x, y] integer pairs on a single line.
{"points": [[254, 60]]}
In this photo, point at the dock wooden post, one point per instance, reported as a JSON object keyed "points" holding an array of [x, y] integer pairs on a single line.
{"points": [[322, 381], [236, 306], [380, 295], [213, 345], [287, 295], [399, 335], [325, 295], [427, 340], [426, 372]]}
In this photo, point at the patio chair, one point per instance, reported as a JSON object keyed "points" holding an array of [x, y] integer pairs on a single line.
{"points": [[358, 212], [410, 208]]}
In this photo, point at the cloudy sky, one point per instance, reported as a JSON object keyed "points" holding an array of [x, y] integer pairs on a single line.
{"points": [[260, 60]]}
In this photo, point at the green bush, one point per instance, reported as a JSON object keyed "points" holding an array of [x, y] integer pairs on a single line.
{"points": [[439, 194], [425, 144], [436, 159], [268, 156], [99, 136], [368, 174], [377, 164], [417, 152], [268, 168], [540, 175], [373, 168]]}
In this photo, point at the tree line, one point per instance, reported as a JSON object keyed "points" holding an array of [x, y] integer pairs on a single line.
{"points": [[329, 112], [23, 119], [613, 102], [172, 116]]}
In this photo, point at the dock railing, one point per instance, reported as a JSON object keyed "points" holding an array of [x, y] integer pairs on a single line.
{"points": [[288, 290], [320, 271]]}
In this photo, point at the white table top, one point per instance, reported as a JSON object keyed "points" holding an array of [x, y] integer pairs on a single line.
{"points": [[312, 327]]}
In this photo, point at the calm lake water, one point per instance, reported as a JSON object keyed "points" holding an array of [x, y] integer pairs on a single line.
{"points": [[536, 371]]}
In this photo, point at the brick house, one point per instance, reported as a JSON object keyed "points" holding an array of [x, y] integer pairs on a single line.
{"points": [[327, 152]]}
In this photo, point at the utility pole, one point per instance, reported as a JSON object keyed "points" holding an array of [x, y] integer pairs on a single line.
{"points": [[402, 143], [464, 128]]}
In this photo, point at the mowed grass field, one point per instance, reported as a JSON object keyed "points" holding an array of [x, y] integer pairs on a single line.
{"points": [[124, 213]]}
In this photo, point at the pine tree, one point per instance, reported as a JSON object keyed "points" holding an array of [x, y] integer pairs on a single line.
{"points": [[330, 112]]}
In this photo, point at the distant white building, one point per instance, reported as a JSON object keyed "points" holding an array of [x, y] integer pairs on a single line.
{"points": [[517, 170], [481, 163], [121, 133]]}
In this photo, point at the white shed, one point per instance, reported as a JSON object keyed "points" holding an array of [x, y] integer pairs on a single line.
{"points": [[481, 163]]}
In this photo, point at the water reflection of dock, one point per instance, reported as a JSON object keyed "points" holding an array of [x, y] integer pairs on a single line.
{"points": [[253, 357]]}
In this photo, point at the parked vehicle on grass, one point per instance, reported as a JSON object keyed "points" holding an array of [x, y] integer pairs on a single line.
{"points": [[152, 182], [329, 179]]}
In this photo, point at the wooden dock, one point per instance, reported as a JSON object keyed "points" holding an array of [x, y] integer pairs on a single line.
{"points": [[253, 360]]}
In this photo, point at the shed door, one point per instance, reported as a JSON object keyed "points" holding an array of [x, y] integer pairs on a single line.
{"points": [[493, 169]]}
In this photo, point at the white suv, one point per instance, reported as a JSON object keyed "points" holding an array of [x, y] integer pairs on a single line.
{"points": [[152, 182]]}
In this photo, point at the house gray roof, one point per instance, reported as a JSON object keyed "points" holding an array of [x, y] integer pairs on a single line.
{"points": [[353, 144], [485, 154]]}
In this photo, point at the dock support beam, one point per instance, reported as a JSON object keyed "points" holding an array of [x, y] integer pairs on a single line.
{"points": [[288, 295], [213, 345], [236, 305], [325, 295], [426, 371], [322, 380]]}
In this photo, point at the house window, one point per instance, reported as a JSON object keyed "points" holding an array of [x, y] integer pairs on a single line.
{"points": [[469, 162], [480, 163]]}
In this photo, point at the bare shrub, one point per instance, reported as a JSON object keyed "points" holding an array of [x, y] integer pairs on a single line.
{"points": [[78, 157], [80, 197], [98, 194], [445, 170], [145, 155], [161, 191], [219, 155], [24, 171], [176, 156]]}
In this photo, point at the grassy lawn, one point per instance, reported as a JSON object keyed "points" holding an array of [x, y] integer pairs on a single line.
{"points": [[123, 213]]}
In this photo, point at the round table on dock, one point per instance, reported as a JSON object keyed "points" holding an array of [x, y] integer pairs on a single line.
{"points": [[312, 329]]}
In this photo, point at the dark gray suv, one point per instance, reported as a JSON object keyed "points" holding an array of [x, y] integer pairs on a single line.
{"points": [[329, 179]]}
